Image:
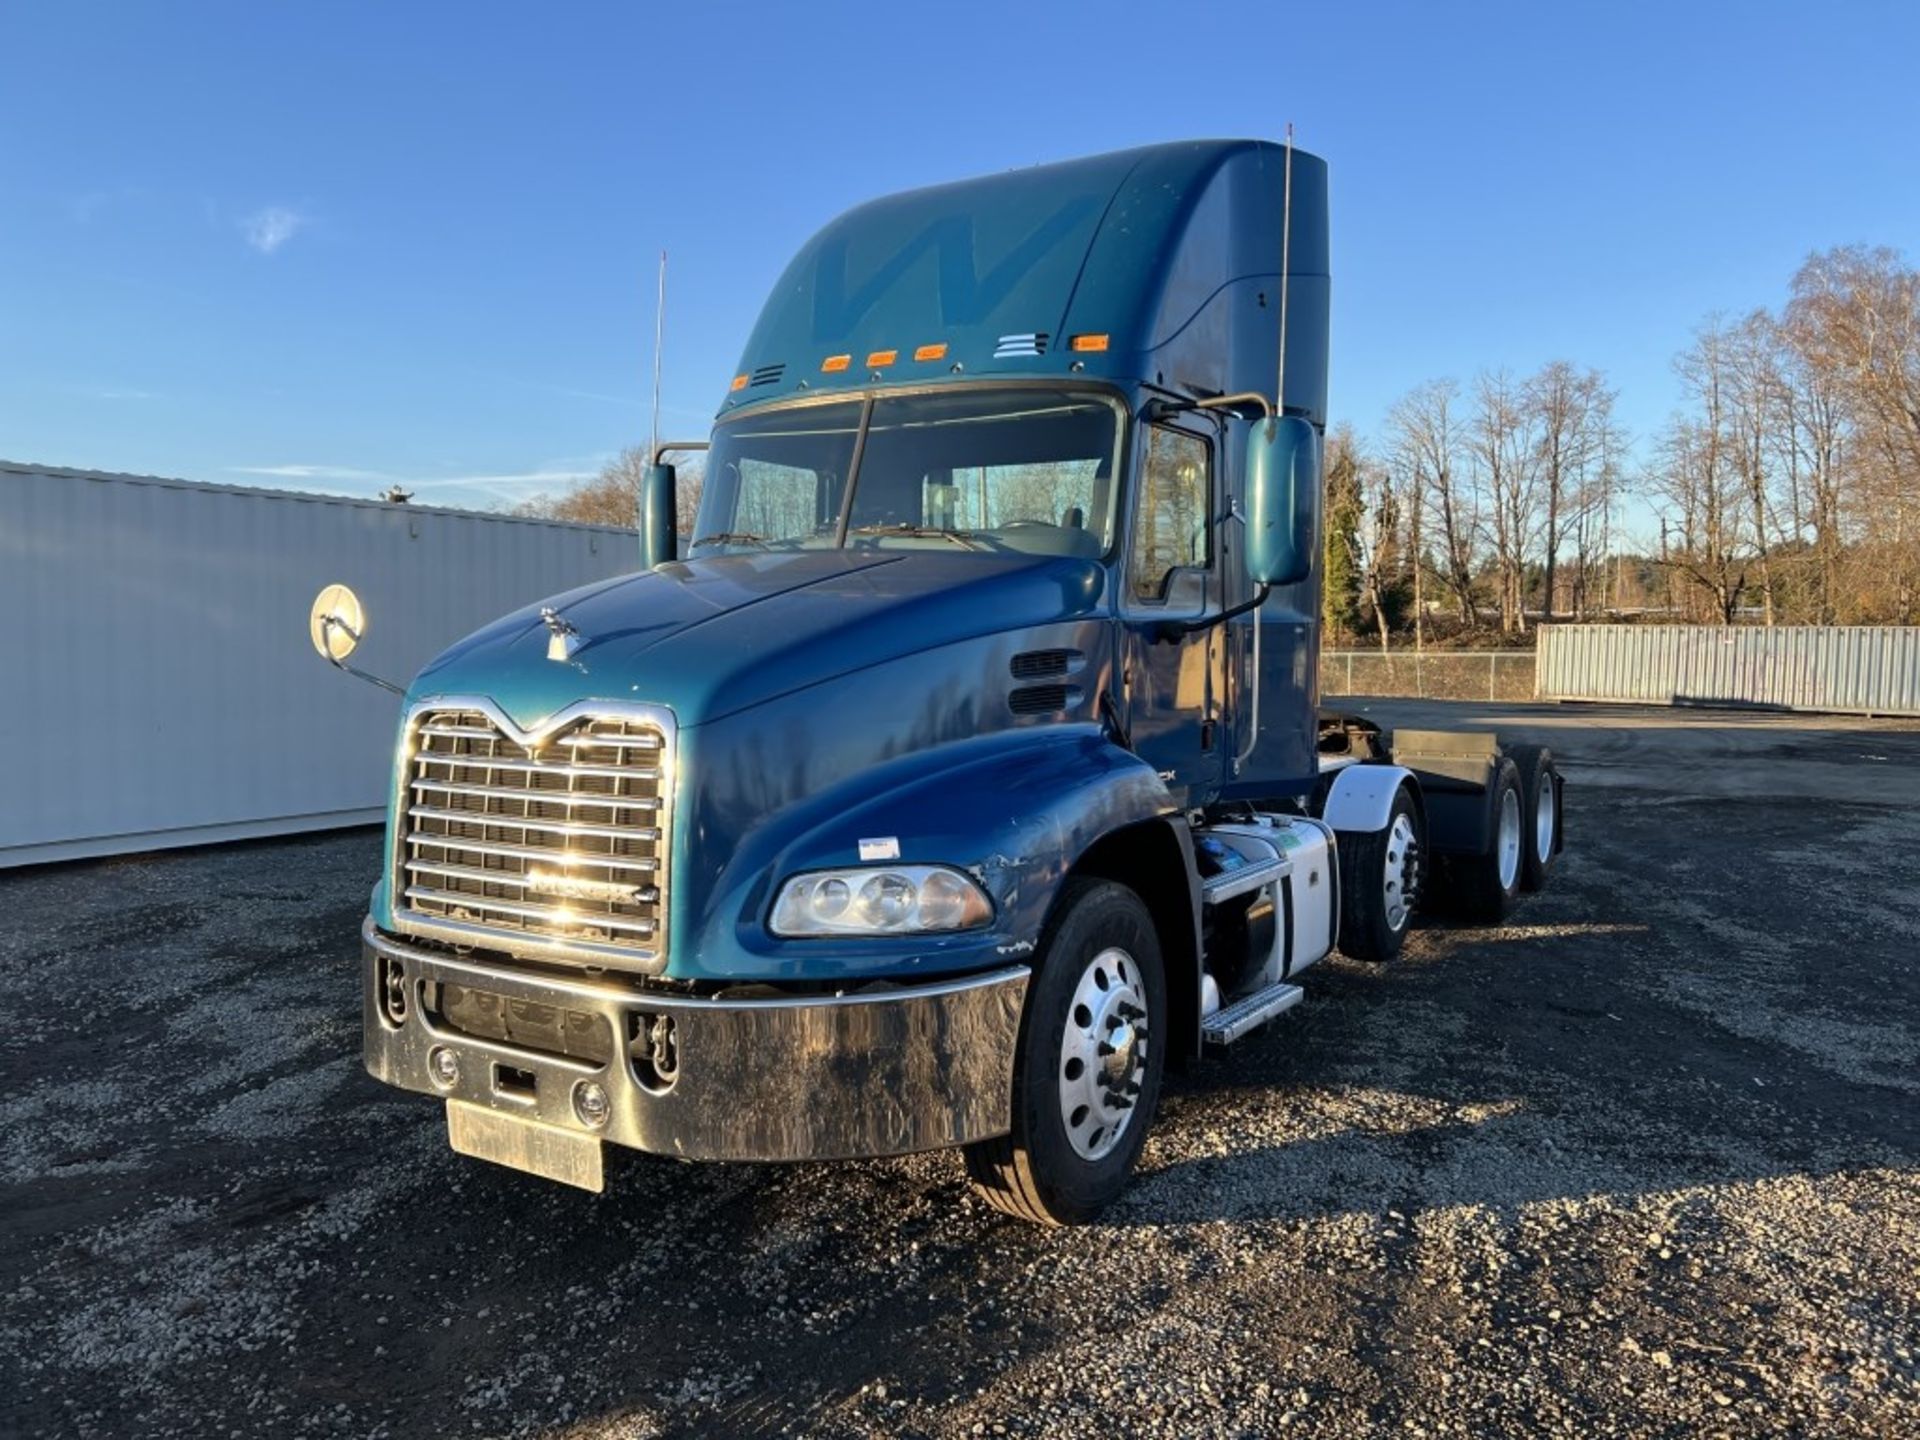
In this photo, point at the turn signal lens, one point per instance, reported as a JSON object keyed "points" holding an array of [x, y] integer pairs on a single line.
{"points": [[1086, 343], [835, 362], [881, 900]]}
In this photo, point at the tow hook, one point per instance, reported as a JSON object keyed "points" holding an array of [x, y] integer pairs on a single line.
{"points": [[655, 1050], [393, 990]]}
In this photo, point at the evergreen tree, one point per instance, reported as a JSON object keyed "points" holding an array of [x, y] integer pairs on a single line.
{"points": [[1340, 602]]}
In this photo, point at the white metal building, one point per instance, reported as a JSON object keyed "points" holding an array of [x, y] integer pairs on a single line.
{"points": [[157, 686]]}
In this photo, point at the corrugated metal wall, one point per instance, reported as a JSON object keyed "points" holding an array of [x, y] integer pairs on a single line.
{"points": [[156, 682], [1865, 669]]}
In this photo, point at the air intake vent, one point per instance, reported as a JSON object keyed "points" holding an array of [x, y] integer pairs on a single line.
{"points": [[1016, 345], [768, 374], [1043, 699], [1046, 664]]}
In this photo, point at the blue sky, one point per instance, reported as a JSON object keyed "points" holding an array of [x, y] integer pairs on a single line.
{"points": [[329, 246]]}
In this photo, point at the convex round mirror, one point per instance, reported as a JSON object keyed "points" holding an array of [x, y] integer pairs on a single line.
{"points": [[336, 623]]}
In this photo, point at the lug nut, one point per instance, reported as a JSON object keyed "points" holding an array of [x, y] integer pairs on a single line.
{"points": [[443, 1066], [590, 1104]]}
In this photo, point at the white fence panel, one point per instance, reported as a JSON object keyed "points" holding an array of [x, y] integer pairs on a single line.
{"points": [[156, 683], [1865, 669]]}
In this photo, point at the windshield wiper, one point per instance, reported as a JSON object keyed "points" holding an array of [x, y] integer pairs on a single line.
{"points": [[965, 539], [730, 537]]}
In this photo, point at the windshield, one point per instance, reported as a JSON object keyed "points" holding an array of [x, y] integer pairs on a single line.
{"points": [[1027, 470]]}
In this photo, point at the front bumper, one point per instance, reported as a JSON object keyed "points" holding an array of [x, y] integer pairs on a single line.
{"points": [[882, 1072]]}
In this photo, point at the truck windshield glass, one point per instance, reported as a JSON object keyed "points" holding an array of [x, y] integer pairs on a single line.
{"points": [[777, 479], [1027, 470]]}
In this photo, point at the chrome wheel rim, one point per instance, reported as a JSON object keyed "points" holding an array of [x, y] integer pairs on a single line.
{"points": [[1543, 821], [1509, 839], [1103, 1054], [1400, 879]]}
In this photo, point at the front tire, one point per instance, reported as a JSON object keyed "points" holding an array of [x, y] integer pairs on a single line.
{"points": [[1381, 874], [1086, 1078]]}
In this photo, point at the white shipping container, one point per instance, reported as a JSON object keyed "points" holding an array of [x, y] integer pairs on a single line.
{"points": [[157, 686]]}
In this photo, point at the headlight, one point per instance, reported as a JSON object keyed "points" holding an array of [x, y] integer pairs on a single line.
{"points": [[880, 900]]}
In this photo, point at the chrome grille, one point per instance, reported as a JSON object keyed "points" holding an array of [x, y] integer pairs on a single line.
{"points": [[548, 846]]}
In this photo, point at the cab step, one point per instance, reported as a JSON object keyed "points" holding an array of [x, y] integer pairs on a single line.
{"points": [[1230, 1022]]}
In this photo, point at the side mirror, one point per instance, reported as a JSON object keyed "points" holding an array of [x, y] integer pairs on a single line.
{"points": [[336, 623], [658, 513], [1283, 484]]}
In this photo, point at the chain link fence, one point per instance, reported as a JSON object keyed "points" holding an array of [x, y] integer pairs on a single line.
{"points": [[1429, 674]]}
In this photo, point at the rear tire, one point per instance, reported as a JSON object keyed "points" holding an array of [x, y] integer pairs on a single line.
{"points": [[1485, 885], [1539, 814], [1381, 875], [1086, 1076]]}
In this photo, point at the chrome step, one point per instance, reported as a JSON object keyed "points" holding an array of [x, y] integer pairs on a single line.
{"points": [[1251, 876], [1230, 1022]]}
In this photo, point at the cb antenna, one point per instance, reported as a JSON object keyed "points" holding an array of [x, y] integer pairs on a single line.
{"points": [[1286, 258], [653, 445], [659, 347]]}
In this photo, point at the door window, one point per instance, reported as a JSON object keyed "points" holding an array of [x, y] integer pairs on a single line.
{"points": [[1172, 529]]}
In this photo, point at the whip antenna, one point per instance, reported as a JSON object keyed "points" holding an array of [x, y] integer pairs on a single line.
{"points": [[653, 442], [659, 345], [1286, 257]]}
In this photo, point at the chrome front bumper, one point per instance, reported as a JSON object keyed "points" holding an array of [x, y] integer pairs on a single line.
{"points": [[784, 1078]]}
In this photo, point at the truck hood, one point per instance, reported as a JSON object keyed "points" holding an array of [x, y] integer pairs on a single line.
{"points": [[709, 637]]}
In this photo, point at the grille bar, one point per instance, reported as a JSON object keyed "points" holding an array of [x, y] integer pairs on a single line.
{"points": [[531, 767], [571, 829], [551, 914], [482, 732], [536, 852], [488, 804], [485, 877], [546, 797]]}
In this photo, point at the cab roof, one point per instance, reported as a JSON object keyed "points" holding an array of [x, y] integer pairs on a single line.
{"points": [[1092, 267]]}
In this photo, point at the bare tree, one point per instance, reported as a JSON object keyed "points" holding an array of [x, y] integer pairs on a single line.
{"points": [[1698, 477], [1813, 440], [1426, 449], [1571, 414], [1855, 318], [1506, 464], [613, 496], [1749, 354]]}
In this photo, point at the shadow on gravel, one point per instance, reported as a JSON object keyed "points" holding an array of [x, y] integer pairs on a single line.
{"points": [[1550, 1060]]}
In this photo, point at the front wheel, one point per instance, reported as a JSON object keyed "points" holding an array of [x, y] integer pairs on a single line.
{"points": [[1087, 1074]]}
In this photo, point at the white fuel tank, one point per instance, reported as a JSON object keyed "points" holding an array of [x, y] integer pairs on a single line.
{"points": [[1293, 857]]}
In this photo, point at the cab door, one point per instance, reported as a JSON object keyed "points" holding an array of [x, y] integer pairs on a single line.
{"points": [[1172, 680]]}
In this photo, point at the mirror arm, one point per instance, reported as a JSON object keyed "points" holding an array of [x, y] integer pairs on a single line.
{"points": [[1158, 409], [1170, 631], [326, 626], [669, 447]]}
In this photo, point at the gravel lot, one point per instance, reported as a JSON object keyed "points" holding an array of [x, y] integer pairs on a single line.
{"points": [[1646, 1161]]}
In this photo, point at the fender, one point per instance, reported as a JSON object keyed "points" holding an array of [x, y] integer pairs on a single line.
{"points": [[1014, 809], [1362, 796]]}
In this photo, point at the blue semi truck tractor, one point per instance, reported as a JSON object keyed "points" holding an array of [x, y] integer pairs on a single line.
{"points": [[964, 767]]}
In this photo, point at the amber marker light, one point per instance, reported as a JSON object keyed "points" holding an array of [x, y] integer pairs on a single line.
{"points": [[835, 363], [739, 383], [1085, 344], [931, 352], [882, 357]]}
